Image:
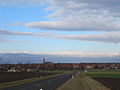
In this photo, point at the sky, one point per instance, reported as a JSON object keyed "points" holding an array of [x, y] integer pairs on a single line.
{"points": [[82, 28]]}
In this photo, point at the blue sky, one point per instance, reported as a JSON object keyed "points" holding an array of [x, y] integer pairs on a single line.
{"points": [[60, 26]]}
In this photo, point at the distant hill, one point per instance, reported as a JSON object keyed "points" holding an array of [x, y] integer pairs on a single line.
{"points": [[14, 58]]}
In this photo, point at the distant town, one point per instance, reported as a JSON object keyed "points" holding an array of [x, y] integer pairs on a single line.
{"points": [[56, 66]]}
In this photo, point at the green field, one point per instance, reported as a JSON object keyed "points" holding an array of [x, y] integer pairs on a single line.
{"points": [[103, 74]]}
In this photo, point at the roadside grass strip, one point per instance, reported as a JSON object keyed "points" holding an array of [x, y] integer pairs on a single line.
{"points": [[24, 81], [82, 82], [72, 84]]}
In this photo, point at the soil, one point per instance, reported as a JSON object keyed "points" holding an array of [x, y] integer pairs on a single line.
{"points": [[112, 83], [14, 76]]}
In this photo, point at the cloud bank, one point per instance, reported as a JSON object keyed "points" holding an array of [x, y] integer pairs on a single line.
{"points": [[75, 15], [110, 37], [11, 41], [58, 57], [72, 54], [4, 32], [81, 15]]}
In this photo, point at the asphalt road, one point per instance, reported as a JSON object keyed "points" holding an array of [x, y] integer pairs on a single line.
{"points": [[47, 84]]}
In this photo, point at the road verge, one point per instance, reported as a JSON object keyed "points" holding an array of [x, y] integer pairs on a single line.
{"points": [[24, 81]]}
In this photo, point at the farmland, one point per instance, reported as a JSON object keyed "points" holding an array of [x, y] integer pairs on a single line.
{"points": [[109, 79], [96, 80], [9, 79], [82, 82], [104, 74], [84, 76], [15, 76]]}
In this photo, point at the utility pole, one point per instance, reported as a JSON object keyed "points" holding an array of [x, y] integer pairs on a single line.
{"points": [[43, 59], [0, 58]]}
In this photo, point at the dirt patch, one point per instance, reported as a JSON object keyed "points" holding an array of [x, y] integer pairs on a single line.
{"points": [[112, 83]]}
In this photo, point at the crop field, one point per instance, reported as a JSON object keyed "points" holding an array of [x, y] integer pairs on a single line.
{"points": [[104, 74], [95, 80], [15, 76], [108, 79]]}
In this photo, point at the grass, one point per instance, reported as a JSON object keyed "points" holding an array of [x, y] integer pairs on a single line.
{"points": [[103, 74], [104, 70], [56, 71], [71, 85], [20, 82], [82, 82]]}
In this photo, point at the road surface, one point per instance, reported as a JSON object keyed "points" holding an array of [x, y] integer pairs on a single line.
{"points": [[47, 84]]}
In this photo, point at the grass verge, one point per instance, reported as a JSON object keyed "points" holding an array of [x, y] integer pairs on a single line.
{"points": [[20, 82], [82, 82]]}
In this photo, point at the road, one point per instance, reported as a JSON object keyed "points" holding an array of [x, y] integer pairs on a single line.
{"points": [[47, 84]]}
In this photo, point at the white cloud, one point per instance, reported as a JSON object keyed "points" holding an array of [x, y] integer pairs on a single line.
{"points": [[16, 33], [69, 25], [82, 15], [72, 54], [3, 38], [108, 37], [83, 54], [111, 37], [15, 24], [75, 15], [12, 41]]}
